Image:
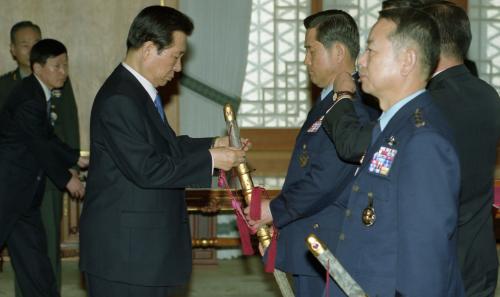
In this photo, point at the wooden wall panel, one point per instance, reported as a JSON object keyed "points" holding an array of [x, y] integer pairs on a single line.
{"points": [[271, 150], [94, 32]]}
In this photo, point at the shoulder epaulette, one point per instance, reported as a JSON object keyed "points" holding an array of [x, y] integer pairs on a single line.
{"points": [[418, 118]]}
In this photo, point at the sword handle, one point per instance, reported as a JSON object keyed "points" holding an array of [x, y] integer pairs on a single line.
{"points": [[338, 273], [242, 169]]}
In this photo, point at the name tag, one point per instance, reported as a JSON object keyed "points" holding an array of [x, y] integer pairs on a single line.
{"points": [[382, 160]]}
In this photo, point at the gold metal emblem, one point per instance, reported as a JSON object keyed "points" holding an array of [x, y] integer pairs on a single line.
{"points": [[368, 217], [419, 119], [303, 157]]}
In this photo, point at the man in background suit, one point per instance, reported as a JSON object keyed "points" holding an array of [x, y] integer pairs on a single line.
{"points": [[400, 238], [30, 151], [316, 176], [134, 236], [64, 119], [472, 109]]}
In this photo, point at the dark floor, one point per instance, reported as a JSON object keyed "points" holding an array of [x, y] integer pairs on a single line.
{"points": [[242, 277]]}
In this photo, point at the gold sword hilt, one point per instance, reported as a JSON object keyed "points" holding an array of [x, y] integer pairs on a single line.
{"points": [[242, 169]]}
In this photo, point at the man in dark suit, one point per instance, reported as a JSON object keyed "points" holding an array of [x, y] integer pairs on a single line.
{"points": [[29, 151], [400, 238], [472, 109], [316, 176], [134, 235], [64, 119]]}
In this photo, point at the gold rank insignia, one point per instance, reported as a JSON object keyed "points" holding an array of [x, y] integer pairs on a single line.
{"points": [[303, 157], [419, 120]]}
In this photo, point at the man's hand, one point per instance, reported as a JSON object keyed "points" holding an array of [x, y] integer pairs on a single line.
{"points": [[83, 162], [227, 158], [266, 216], [344, 82], [75, 187], [224, 142]]}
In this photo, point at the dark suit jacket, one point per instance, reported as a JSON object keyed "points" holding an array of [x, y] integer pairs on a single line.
{"points": [[472, 108], [29, 149], [411, 173], [351, 136], [134, 224], [315, 179], [65, 126]]}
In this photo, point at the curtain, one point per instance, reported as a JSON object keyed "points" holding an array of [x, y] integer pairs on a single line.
{"points": [[217, 57]]}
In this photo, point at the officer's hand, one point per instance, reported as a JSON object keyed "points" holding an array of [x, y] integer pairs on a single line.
{"points": [[227, 158], [75, 187], [224, 142], [83, 162], [266, 216], [344, 82]]}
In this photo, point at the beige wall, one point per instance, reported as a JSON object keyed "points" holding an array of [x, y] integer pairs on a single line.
{"points": [[94, 31]]}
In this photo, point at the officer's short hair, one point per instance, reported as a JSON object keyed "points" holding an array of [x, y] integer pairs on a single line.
{"points": [[335, 25], [157, 24], [45, 49], [454, 27], [416, 27], [387, 4], [22, 25]]}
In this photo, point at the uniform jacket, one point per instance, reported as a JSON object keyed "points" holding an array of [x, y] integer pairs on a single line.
{"points": [[411, 177], [315, 178], [134, 224]]}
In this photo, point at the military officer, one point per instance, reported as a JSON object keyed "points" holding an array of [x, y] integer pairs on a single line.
{"points": [[63, 117], [316, 176], [398, 237]]}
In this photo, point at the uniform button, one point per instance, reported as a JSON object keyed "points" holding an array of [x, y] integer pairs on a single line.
{"points": [[370, 194], [342, 236], [304, 146], [355, 188], [315, 226], [38, 178], [348, 213]]}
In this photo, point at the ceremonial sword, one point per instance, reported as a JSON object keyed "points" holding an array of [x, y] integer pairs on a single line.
{"points": [[334, 268], [246, 182]]}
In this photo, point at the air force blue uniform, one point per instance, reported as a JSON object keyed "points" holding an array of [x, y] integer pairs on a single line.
{"points": [[410, 177], [315, 178]]}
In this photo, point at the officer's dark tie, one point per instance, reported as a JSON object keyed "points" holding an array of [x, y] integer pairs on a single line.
{"points": [[376, 132], [159, 107]]}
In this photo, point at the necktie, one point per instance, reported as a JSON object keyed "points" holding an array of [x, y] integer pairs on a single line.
{"points": [[376, 132], [49, 102], [49, 109], [159, 107]]}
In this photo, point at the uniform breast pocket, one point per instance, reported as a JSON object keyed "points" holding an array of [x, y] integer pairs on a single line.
{"points": [[376, 213]]}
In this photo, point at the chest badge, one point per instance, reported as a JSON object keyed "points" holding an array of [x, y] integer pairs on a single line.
{"points": [[368, 217], [303, 157]]}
